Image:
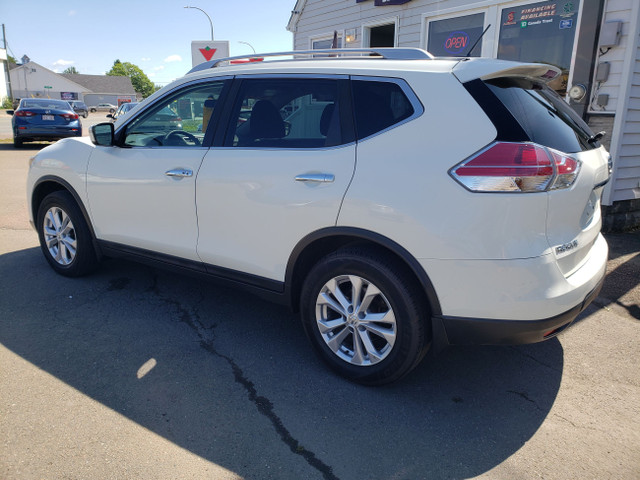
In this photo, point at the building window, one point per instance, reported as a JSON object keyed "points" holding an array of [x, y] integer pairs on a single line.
{"points": [[325, 42], [455, 36], [540, 32]]}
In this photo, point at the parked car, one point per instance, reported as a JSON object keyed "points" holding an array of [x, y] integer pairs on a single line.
{"points": [[399, 202], [122, 109], [80, 108], [38, 119], [103, 107]]}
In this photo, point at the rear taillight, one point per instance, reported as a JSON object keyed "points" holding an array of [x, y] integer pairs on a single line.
{"points": [[23, 113], [516, 167], [69, 116]]}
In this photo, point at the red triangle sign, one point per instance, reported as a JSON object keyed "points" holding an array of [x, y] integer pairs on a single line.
{"points": [[207, 53]]}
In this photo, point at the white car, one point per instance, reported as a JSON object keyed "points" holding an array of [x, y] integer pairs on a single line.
{"points": [[400, 202], [103, 107]]}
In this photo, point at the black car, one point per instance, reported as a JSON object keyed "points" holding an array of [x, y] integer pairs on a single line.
{"points": [[80, 108]]}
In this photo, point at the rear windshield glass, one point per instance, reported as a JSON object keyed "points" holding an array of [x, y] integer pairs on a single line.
{"points": [[543, 115]]}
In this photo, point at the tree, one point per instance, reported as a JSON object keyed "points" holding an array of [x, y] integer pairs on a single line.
{"points": [[71, 69], [139, 80]]}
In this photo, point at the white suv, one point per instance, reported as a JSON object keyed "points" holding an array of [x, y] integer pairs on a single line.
{"points": [[399, 201]]}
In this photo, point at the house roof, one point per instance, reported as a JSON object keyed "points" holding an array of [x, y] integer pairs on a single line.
{"points": [[295, 15], [102, 83]]}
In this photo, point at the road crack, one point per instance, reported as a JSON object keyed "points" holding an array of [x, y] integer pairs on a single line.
{"points": [[263, 405]]}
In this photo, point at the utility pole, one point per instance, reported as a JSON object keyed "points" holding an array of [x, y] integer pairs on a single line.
{"points": [[6, 64]]}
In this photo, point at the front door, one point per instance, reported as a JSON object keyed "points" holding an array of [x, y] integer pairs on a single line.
{"points": [[142, 193]]}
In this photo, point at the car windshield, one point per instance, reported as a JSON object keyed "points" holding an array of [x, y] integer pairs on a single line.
{"points": [[55, 104]]}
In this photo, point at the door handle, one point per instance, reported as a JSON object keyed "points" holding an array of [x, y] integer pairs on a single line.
{"points": [[179, 172], [316, 177]]}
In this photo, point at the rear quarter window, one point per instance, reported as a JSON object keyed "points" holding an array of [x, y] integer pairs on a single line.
{"points": [[380, 104]]}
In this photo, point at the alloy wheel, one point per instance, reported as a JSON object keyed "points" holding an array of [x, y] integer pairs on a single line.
{"points": [[356, 320], [60, 236]]}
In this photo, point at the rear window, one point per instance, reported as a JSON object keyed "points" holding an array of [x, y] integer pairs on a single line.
{"points": [[543, 115]]}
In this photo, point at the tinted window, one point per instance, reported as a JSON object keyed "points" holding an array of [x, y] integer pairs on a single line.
{"points": [[378, 105], [286, 113], [180, 120], [543, 115], [45, 103]]}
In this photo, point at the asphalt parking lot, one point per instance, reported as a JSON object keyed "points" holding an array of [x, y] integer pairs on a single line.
{"points": [[139, 373]]}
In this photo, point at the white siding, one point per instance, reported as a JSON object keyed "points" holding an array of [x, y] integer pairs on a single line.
{"points": [[30, 80], [322, 17], [624, 89]]}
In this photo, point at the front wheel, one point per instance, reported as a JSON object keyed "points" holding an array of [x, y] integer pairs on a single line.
{"points": [[365, 316], [64, 236]]}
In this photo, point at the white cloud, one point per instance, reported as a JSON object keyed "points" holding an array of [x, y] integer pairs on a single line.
{"points": [[72, 13], [145, 59], [158, 68], [63, 63], [173, 58]]}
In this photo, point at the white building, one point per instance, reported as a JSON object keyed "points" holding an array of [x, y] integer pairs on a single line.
{"points": [[594, 42], [33, 80], [4, 70]]}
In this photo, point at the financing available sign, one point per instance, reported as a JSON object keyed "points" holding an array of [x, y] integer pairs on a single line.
{"points": [[204, 51]]}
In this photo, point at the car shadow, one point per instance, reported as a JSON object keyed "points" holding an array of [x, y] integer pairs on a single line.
{"points": [[211, 369], [25, 146]]}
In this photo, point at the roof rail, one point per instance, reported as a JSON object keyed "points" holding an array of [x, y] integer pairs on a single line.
{"points": [[385, 53]]}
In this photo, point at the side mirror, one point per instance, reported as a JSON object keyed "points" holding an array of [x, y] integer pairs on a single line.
{"points": [[10, 112], [102, 134], [109, 116]]}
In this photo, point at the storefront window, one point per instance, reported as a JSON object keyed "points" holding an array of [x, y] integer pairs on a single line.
{"points": [[325, 43], [455, 36], [540, 32]]}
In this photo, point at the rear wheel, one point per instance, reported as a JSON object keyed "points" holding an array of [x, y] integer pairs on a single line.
{"points": [[64, 236], [365, 316], [17, 142]]}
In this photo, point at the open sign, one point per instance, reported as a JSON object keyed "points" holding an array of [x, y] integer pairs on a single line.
{"points": [[456, 42]]}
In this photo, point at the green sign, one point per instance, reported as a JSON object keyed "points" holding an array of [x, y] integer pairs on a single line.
{"points": [[47, 86]]}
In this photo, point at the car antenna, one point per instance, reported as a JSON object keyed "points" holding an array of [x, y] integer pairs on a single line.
{"points": [[479, 38]]}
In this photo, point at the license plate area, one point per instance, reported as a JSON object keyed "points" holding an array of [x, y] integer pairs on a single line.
{"points": [[48, 118]]}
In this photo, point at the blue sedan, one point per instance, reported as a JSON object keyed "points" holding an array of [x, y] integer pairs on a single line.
{"points": [[38, 119]]}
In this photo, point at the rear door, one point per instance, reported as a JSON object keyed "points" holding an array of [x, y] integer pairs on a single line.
{"points": [[280, 172]]}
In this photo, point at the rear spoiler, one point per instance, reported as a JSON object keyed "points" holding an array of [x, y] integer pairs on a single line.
{"points": [[467, 70]]}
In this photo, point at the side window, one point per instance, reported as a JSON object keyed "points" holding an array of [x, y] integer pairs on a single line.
{"points": [[180, 120], [286, 113], [378, 105]]}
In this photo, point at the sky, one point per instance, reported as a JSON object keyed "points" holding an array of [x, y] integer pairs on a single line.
{"points": [[155, 35]]}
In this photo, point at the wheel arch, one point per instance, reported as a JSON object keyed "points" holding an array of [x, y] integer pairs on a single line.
{"points": [[49, 184], [322, 242]]}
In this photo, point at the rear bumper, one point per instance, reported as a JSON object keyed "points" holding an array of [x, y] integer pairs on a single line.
{"points": [[39, 134], [482, 331]]}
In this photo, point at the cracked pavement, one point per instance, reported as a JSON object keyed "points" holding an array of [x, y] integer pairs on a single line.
{"points": [[140, 373]]}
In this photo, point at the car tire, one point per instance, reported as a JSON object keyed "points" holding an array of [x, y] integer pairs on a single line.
{"points": [[365, 316], [93, 110], [111, 110], [17, 142], [64, 236], [85, 115]]}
